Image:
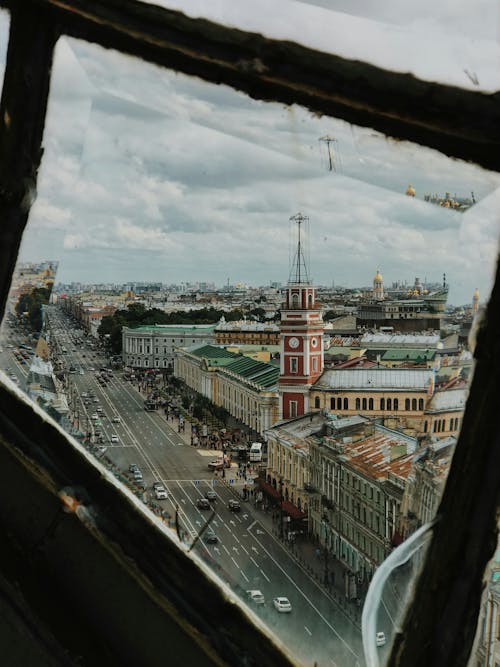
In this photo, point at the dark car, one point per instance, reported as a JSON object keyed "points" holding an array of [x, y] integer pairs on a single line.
{"points": [[210, 537], [234, 506], [202, 504]]}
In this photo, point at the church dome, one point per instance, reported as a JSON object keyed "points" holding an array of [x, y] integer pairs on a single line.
{"points": [[410, 191], [378, 278]]}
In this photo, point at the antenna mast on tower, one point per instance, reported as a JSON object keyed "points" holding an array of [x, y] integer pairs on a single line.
{"points": [[331, 154], [298, 268]]}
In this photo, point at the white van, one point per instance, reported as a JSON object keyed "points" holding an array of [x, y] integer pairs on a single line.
{"points": [[256, 451]]}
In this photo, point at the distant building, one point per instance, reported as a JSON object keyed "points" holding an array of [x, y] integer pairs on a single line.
{"points": [[246, 333], [154, 346]]}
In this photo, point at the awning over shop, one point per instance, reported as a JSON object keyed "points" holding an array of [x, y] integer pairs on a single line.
{"points": [[269, 489], [292, 511]]}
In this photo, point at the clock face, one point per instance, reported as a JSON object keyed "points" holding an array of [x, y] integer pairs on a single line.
{"points": [[293, 342], [314, 342]]}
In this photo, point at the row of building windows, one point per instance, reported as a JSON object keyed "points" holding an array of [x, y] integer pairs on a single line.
{"points": [[439, 425], [385, 404]]}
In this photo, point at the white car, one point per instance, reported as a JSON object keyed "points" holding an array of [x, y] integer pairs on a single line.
{"points": [[116, 420], [115, 438], [282, 605], [256, 596], [161, 493], [380, 639]]}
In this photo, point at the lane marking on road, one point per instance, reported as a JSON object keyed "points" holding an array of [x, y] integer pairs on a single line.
{"points": [[308, 631], [235, 563], [226, 550], [252, 525], [264, 574], [254, 561], [244, 576], [320, 614], [243, 548]]}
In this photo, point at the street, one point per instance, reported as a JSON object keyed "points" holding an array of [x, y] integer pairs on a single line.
{"points": [[245, 553]]}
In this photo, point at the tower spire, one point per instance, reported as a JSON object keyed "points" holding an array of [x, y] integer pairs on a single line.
{"points": [[298, 268]]}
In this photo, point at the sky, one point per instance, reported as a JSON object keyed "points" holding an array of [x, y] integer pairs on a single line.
{"points": [[152, 175]]}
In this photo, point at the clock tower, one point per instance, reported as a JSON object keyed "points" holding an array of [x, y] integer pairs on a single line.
{"points": [[301, 335]]}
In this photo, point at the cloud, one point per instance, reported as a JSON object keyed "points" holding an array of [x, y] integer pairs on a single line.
{"points": [[151, 175]]}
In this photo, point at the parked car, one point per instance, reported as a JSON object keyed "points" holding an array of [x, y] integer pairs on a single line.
{"points": [[158, 485], [116, 420], [234, 506], [256, 596], [115, 438], [133, 467], [137, 474], [211, 495], [203, 504], [161, 493], [282, 605]]}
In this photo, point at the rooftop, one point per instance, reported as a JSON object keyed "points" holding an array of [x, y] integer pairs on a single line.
{"points": [[417, 379]]}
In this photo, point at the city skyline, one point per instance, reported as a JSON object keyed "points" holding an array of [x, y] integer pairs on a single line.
{"points": [[160, 177]]}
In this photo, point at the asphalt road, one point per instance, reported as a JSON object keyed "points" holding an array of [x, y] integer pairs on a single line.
{"points": [[246, 555]]}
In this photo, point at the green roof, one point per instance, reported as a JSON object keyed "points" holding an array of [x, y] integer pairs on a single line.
{"points": [[177, 328], [408, 355], [264, 374], [214, 356]]}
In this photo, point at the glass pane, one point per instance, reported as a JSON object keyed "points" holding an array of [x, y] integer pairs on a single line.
{"points": [[446, 42], [161, 193], [4, 39]]}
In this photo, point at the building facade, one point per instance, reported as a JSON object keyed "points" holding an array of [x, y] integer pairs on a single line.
{"points": [[246, 388], [154, 346], [301, 337], [358, 478], [247, 333]]}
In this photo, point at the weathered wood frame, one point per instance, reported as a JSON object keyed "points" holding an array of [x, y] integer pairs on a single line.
{"points": [[441, 622]]}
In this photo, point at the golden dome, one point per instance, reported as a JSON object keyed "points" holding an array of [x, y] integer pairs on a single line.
{"points": [[378, 278], [410, 191]]}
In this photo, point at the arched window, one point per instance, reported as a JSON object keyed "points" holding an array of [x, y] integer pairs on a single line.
{"points": [[316, 402], [310, 300], [346, 404], [370, 404], [434, 427], [295, 300], [364, 404], [407, 404], [425, 426], [382, 403], [358, 404], [413, 403], [339, 403], [389, 404], [332, 404], [420, 403]]}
